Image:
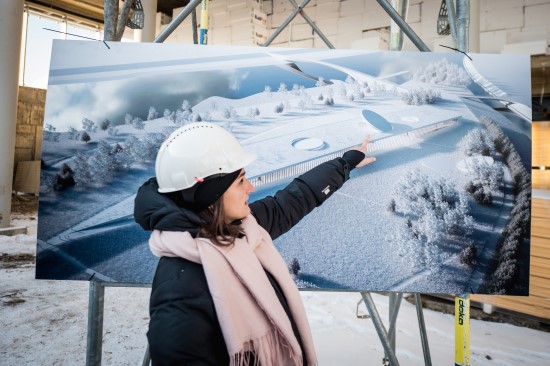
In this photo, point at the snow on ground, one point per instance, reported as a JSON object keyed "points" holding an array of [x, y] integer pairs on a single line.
{"points": [[44, 323]]}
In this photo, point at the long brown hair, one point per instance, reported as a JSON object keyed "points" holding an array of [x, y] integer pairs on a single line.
{"points": [[217, 229]]}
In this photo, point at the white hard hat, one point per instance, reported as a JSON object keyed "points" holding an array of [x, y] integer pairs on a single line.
{"points": [[197, 151]]}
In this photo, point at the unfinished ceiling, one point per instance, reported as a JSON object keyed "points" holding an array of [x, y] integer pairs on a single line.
{"points": [[93, 9]]}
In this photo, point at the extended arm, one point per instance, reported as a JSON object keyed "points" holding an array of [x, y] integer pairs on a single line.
{"points": [[278, 213]]}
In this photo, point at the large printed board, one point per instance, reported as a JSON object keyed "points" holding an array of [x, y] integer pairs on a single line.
{"points": [[444, 209]]}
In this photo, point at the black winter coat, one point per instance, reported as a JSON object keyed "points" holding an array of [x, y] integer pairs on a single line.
{"points": [[183, 327]]}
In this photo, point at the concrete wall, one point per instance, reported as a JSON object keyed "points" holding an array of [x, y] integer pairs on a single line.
{"points": [[509, 26], [30, 120]]}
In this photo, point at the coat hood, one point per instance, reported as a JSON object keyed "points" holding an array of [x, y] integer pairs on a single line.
{"points": [[156, 211]]}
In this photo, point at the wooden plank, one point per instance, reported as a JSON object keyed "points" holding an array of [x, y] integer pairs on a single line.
{"points": [[540, 146], [539, 210], [539, 270], [541, 204], [537, 291], [531, 305], [539, 282], [540, 230], [540, 179], [540, 247], [539, 222]]}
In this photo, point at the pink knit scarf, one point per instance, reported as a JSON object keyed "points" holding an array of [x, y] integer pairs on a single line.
{"points": [[250, 314]]}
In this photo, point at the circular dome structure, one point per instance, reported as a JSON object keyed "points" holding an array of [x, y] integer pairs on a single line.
{"points": [[309, 143], [376, 120]]}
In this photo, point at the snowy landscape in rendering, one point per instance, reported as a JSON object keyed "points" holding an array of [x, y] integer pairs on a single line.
{"points": [[444, 209]]}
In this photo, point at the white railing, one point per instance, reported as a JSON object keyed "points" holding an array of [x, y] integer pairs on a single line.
{"points": [[384, 143]]}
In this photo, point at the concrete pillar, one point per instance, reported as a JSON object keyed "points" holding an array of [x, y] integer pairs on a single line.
{"points": [[147, 34], [474, 26], [11, 28], [396, 34]]}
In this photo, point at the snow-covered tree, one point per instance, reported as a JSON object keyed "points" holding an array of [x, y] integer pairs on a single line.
{"points": [[279, 108], [437, 208], [112, 131], [478, 141], [88, 125], [104, 124], [64, 178], [443, 72], [102, 163], [128, 119], [186, 106], [167, 114], [267, 91], [282, 88], [85, 137], [152, 114], [138, 123], [229, 112], [73, 133], [320, 82], [420, 96], [468, 254], [329, 101], [82, 170], [253, 112]]}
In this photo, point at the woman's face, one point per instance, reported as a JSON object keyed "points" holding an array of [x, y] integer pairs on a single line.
{"points": [[235, 199]]}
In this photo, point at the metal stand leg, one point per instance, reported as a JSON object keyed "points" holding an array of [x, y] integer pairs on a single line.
{"points": [[147, 357], [380, 329], [422, 326], [395, 303], [95, 323]]}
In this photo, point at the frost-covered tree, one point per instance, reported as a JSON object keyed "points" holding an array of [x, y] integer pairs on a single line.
{"points": [[152, 114], [267, 91], [416, 195], [167, 114], [73, 133], [409, 246], [64, 178], [82, 170], [85, 137], [329, 101], [128, 119], [486, 178], [282, 88], [443, 72], [288, 105], [420, 96], [478, 141], [50, 133], [102, 163], [49, 127], [468, 254], [186, 106], [104, 124], [182, 117], [279, 108], [138, 123], [88, 125], [229, 112], [112, 131], [320, 82]]}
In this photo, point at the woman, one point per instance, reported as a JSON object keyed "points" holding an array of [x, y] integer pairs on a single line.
{"points": [[222, 294]]}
